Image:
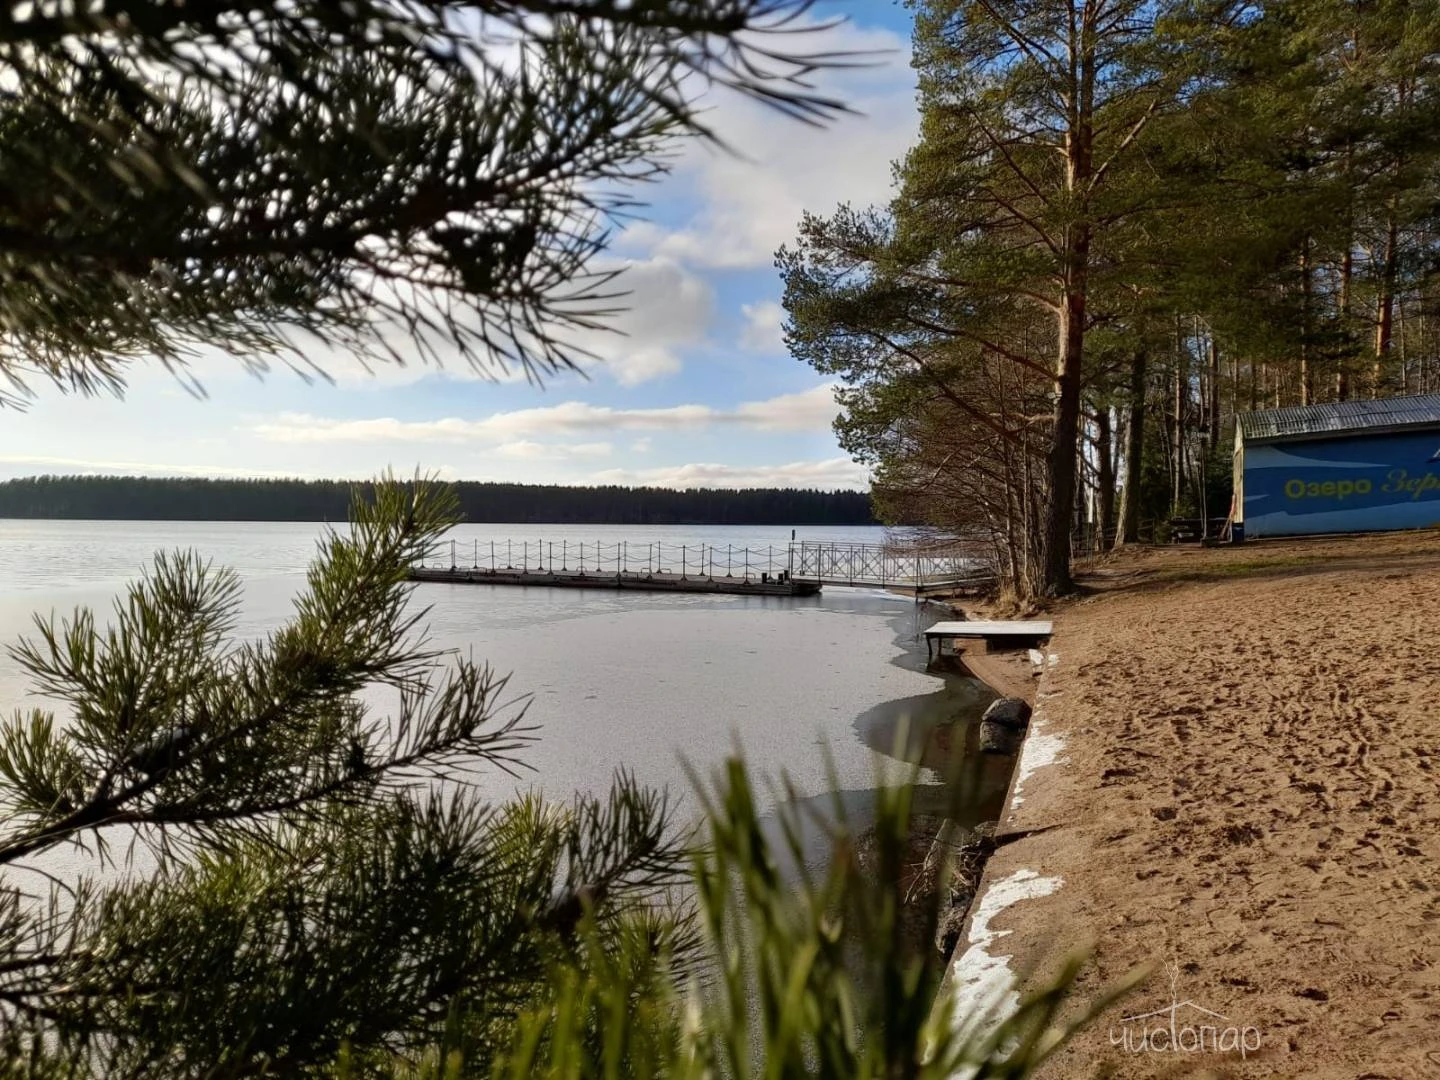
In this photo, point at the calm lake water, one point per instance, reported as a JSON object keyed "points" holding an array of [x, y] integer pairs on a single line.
{"points": [[614, 679]]}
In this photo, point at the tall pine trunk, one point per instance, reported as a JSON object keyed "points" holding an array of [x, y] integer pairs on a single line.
{"points": [[1180, 396], [1212, 428], [1105, 497], [1307, 289], [1385, 315], [1063, 455], [1129, 530], [1347, 274]]}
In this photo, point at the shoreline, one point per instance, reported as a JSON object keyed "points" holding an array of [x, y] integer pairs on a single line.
{"points": [[962, 839], [1230, 781]]}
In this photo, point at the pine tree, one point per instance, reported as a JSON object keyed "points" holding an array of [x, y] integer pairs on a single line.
{"points": [[1016, 213], [314, 876], [434, 177]]}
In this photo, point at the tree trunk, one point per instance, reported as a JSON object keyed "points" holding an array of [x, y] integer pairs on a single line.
{"points": [[1180, 388], [1212, 431], [1385, 315], [1347, 273], [1105, 510], [1061, 460], [1129, 531], [1306, 289], [1213, 356], [1079, 155]]}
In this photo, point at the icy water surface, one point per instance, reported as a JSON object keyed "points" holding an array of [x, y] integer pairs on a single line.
{"points": [[614, 679]]}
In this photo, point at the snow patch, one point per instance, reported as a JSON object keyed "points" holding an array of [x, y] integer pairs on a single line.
{"points": [[1040, 749], [983, 983]]}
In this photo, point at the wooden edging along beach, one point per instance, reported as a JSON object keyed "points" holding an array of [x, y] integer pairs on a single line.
{"points": [[982, 981]]}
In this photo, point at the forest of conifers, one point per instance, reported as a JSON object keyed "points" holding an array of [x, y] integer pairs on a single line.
{"points": [[175, 499], [1125, 221]]}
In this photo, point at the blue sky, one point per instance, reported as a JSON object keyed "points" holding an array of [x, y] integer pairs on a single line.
{"points": [[698, 391]]}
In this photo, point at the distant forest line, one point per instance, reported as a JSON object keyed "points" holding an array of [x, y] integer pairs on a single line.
{"points": [[136, 498]]}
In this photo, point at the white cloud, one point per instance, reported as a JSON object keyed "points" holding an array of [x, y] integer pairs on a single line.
{"points": [[829, 474], [809, 410], [633, 366], [529, 450], [663, 307], [764, 327], [752, 195], [36, 465], [139, 468], [642, 446]]}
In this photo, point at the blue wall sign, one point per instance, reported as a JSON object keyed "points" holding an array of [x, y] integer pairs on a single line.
{"points": [[1361, 483]]}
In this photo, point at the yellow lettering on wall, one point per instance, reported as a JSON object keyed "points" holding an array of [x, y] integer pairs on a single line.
{"points": [[1397, 482]]}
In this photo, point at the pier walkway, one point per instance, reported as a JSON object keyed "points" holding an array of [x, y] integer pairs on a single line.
{"points": [[796, 569]]}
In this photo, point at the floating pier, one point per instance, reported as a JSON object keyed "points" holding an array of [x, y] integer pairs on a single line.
{"points": [[659, 582], [795, 569]]}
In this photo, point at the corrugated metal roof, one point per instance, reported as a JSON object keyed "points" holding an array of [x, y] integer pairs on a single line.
{"points": [[1340, 417]]}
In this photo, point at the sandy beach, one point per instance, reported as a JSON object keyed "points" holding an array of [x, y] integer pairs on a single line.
{"points": [[1247, 798]]}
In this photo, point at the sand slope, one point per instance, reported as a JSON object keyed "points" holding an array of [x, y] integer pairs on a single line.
{"points": [[1250, 796]]}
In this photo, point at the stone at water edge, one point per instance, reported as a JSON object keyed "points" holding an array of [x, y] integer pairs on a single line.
{"points": [[999, 739], [1011, 712], [1002, 728]]}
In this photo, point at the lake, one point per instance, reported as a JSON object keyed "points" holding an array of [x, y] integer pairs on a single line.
{"points": [[642, 681]]}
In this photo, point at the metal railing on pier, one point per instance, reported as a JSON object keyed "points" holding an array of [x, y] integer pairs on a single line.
{"points": [[623, 557], [881, 565], [890, 565]]}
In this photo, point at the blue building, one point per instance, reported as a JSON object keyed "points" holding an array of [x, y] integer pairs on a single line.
{"points": [[1350, 466]]}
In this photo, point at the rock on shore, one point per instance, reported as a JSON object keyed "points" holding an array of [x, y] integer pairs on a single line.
{"points": [[1002, 728]]}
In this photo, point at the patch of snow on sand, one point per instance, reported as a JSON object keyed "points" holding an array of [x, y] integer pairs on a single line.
{"points": [[984, 985], [1039, 750]]}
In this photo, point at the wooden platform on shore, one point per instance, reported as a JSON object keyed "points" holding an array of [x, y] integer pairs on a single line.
{"points": [[1005, 633], [659, 582]]}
